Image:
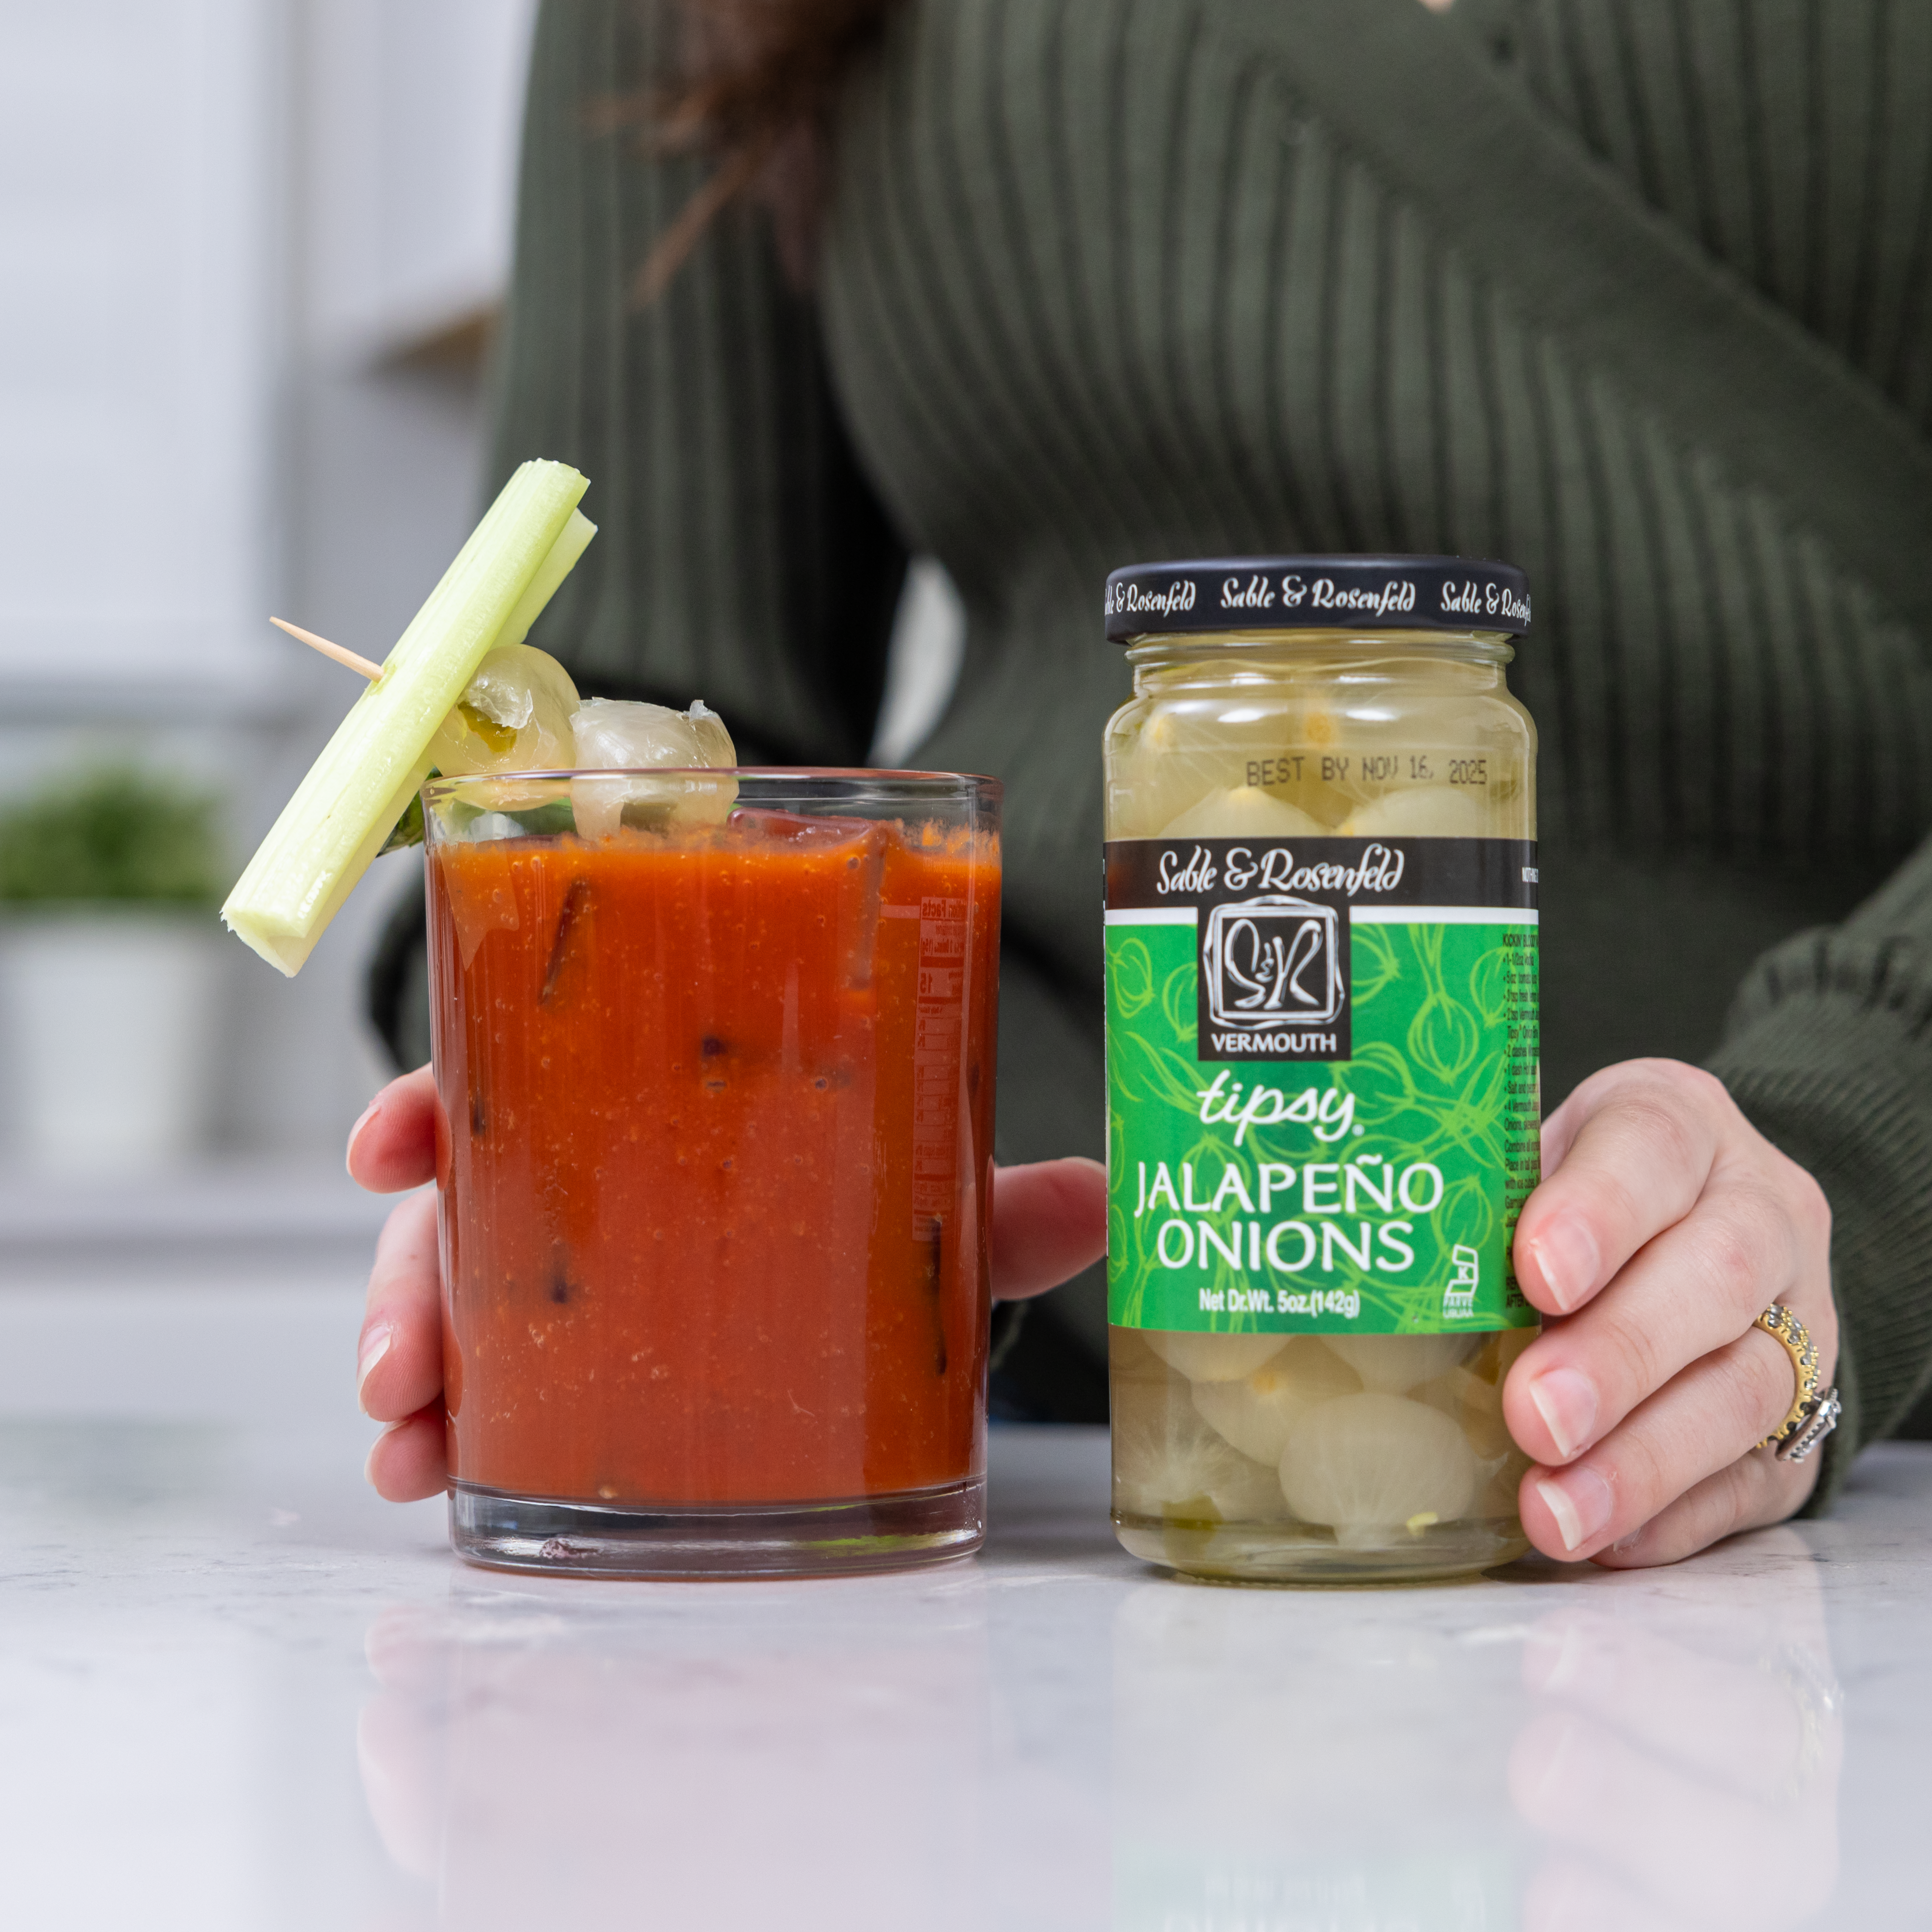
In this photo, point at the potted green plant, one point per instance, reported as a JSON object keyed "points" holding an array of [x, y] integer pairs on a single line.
{"points": [[109, 967]]}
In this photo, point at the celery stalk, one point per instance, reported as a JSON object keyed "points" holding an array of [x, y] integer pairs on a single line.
{"points": [[344, 809], [550, 573]]}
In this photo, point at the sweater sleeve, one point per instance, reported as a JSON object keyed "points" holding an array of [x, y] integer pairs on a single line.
{"points": [[1829, 1051], [741, 556]]}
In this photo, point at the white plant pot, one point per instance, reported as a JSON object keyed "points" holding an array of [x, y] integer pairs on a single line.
{"points": [[108, 1019]]}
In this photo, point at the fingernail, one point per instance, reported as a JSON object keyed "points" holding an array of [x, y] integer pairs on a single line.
{"points": [[369, 1113], [375, 1346], [1580, 1501], [1566, 1254], [1566, 1401]]}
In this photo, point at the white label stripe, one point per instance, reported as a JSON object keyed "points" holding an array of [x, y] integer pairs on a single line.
{"points": [[1421, 915], [1152, 916]]}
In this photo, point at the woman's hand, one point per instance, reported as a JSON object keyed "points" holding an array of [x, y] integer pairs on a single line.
{"points": [[1666, 1225], [1049, 1222]]}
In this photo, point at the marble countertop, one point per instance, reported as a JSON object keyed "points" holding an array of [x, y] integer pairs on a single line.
{"points": [[239, 1692]]}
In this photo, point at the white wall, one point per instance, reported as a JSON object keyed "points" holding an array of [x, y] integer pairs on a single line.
{"points": [[413, 108], [141, 192]]}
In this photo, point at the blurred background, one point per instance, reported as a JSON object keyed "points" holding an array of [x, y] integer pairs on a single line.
{"points": [[250, 252]]}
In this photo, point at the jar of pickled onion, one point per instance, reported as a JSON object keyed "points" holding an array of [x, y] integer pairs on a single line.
{"points": [[1323, 1102]]}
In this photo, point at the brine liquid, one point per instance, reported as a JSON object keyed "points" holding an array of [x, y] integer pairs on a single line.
{"points": [[717, 1149], [1320, 741]]}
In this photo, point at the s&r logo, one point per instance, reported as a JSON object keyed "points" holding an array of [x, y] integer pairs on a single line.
{"points": [[1273, 976]]}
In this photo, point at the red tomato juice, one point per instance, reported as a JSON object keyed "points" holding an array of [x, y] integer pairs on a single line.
{"points": [[716, 1152]]}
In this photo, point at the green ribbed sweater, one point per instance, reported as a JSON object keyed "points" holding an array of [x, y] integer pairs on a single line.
{"points": [[1638, 296]]}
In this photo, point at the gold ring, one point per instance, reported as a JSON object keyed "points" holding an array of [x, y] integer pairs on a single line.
{"points": [[1788, 1332]]}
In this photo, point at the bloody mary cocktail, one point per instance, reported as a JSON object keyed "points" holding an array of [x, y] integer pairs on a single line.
{"points": [[717, 1088]]}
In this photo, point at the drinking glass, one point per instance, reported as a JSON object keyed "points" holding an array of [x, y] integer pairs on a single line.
{"points": [[714, 1055]]}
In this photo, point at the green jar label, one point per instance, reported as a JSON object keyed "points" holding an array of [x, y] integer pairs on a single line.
{"points": [[1323, 1113]]}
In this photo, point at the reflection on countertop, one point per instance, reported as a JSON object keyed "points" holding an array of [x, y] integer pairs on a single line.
{"points": [[1623, 1759], [240, 1693]]}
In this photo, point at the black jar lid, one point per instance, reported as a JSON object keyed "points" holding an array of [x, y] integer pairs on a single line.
{"points": [[1299, 593]]}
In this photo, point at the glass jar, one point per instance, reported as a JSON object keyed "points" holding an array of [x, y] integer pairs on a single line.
{"points": [[1323, 1109]]}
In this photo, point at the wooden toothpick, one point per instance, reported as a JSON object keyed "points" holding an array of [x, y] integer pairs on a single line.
{"points": [[337, 652]]}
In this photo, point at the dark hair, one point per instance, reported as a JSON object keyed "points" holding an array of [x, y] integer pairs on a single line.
{"points": [[760, 77]]}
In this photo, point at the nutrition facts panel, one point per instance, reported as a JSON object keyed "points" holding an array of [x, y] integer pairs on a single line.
{"points": [[1522, 1125], [937, 1071]]}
